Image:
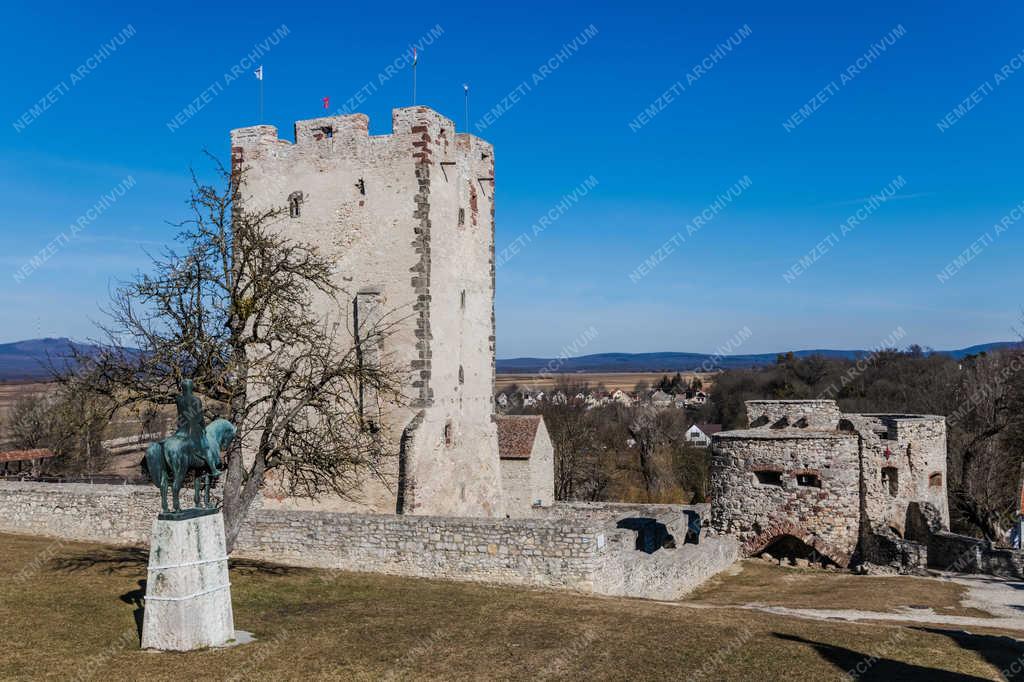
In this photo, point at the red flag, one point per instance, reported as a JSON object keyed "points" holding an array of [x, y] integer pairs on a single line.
{"points": [[327, 102]]}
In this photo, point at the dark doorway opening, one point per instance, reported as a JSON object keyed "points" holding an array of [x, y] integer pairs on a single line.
{"points": [[651, 534]]}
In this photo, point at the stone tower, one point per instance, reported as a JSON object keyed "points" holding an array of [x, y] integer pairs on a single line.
{"points": [[408, 220]]}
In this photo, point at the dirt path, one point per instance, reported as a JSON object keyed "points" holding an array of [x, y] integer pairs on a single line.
{"points": [[1004, 599]]}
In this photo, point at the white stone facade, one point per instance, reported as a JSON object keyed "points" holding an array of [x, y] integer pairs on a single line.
{"points": [[408, 218]]}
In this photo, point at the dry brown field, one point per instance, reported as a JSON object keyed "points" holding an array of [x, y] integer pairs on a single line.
{"points": [[71, 611], [610, 380]]}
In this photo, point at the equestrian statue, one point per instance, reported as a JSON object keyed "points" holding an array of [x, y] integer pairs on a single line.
{"points": [[190, 448]]}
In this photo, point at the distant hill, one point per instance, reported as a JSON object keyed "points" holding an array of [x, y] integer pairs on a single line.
{"points": [[681, 362], [30, 360]]}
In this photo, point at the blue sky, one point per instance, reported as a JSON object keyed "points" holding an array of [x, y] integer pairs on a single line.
{"points": [[878, 124]]}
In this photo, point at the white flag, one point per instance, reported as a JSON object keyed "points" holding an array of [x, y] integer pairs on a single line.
{"points": [[259, 73]]}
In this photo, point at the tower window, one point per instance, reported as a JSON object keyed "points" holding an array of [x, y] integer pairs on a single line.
{"points": [[808, 481], [449, 434], [462, 375], [462, 217], [294, 204], [462, 299], [328, 132], [769, 478], [935, 480]]}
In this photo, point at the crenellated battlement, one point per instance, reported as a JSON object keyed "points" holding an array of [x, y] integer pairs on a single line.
{"points": [[433, 133]]}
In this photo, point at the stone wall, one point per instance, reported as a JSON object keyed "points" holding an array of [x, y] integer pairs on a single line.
{"points": [[561, 550], [963, 554], [911, 448], [825, 516], [815, 414], [407, 219], [835, 481]]}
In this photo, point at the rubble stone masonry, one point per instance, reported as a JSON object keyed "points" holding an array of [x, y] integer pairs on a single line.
{"points": [[829, 479]]}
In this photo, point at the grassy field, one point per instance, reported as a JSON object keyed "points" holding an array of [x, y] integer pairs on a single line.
{"points": [[610, 380], [71, 611]]}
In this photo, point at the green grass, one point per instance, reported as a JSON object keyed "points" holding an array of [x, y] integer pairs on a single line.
{"points": [[72, 614]]}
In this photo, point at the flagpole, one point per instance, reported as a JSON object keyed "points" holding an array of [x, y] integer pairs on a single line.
{"points": [[465, 87], [415, 59], [259, 99]]}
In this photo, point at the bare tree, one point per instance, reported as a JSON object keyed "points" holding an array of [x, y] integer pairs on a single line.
{"points": [[233, 309], [71, 424], [986, 444], [30, 422], [573, 437], [647, 431]]}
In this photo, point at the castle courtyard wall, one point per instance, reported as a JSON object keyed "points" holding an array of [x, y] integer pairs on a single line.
{"points": [[561, 550]]}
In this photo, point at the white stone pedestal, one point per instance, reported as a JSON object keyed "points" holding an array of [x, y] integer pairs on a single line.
{"points": [[188, 597]]}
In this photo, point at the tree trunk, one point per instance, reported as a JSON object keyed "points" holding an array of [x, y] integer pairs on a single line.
{"points": [[235, 504], [239, 494]]}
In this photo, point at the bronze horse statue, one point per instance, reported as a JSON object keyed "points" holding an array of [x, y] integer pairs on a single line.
{"points": [[169, 461]]}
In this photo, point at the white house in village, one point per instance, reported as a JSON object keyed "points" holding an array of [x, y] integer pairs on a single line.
{"points": [[700, 434], [622, 397], [661, 399]]}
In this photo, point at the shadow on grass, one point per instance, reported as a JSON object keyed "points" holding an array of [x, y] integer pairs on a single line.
{"points": [[107, 560], [870, 667], [1005, 653], [137, 598], [111, 560]]}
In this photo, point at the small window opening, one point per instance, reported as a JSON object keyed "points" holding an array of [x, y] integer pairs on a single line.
{"points": [[935, 480], [462, 375], [769, 477], [891, 480], [449, 435], [361, 186], [462, 217], [328, 131], [808, 480], [462, 299], [294, 204]]}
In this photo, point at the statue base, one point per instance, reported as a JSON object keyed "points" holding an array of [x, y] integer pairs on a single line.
{"points": [[188, 596], [186, 514]]}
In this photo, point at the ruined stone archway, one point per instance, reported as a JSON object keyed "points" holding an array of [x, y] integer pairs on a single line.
{"points": [[780, 530]]}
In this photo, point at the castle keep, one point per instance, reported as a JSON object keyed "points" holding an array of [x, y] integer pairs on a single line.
{"points": [[806, 474], [408, 219]]}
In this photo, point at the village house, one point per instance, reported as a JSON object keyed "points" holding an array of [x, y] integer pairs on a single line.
{"points": [[661, 400], [700, 434]]}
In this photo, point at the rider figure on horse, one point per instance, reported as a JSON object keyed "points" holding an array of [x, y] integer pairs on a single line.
{"points": [[191, 429]]}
